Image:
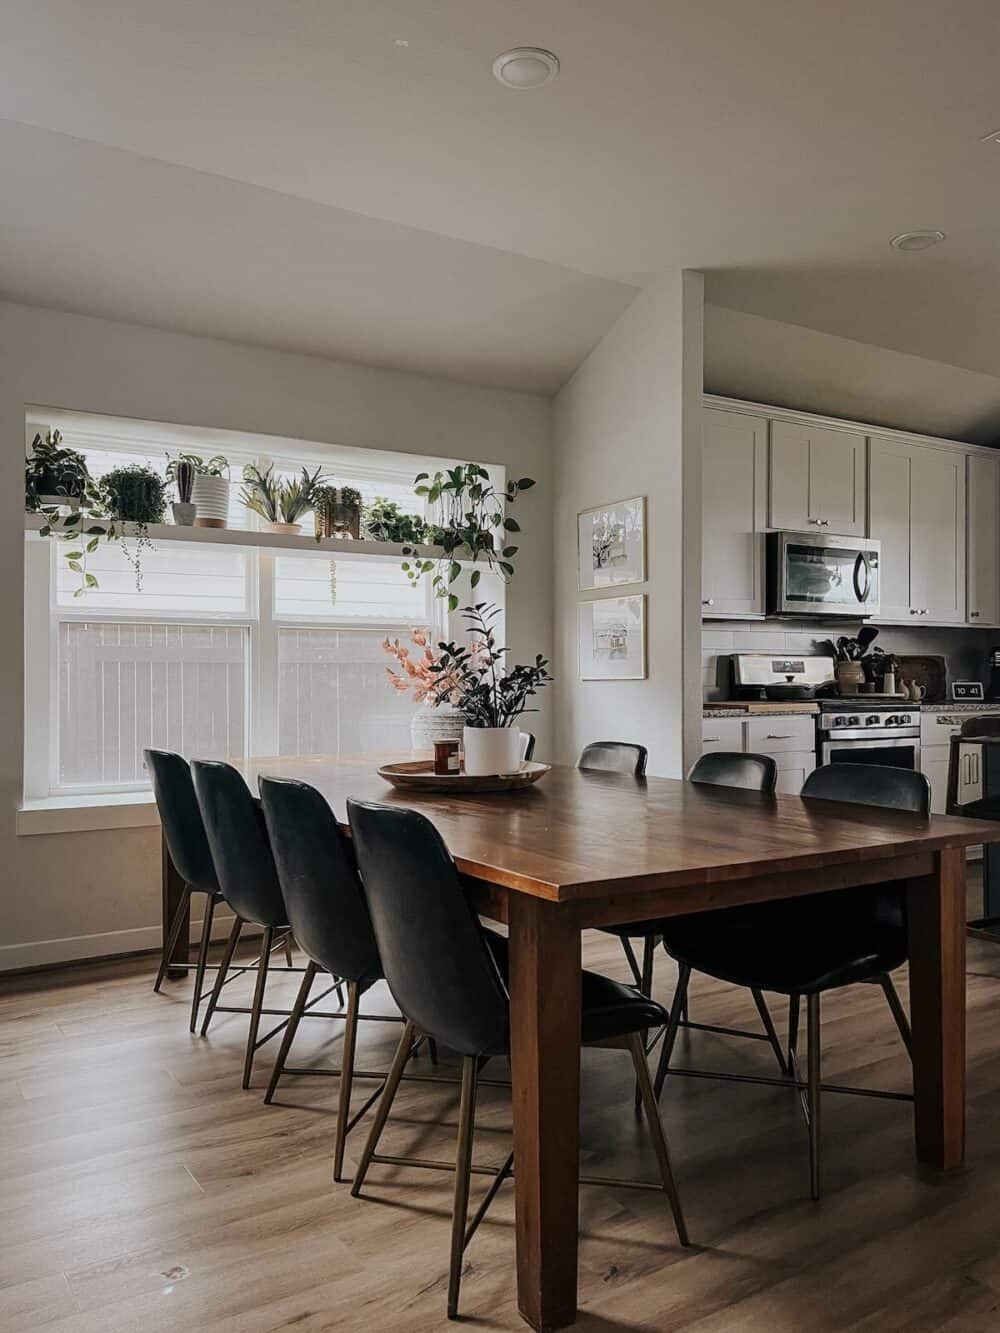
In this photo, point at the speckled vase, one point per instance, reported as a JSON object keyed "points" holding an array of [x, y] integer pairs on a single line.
{"points": [[430, 724]]}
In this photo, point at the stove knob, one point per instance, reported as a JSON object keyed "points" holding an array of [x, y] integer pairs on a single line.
{"points": [[904, 719], [854, 721], [839, 719], [872, 720], [892, 720]]}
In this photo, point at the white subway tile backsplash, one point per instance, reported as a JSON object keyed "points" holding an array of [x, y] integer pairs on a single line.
{"points": [[761, 641], [717, 641]]}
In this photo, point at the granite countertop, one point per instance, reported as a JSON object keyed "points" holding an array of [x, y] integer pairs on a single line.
{"points": [[965, 706], [788, 708]]}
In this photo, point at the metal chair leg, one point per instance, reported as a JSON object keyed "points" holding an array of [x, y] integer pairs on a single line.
{"points": [[898, 1012], [258, 1004], [646, 986], [288, 950], [463, 1162], [298, 1008], [670, 1036], [813, 1091], [793, 1030], [171, 940], [346, 1079], [203, 948], [631, 959], [656, 1130], [768, 1021], [220, 976], [384, 1106]]}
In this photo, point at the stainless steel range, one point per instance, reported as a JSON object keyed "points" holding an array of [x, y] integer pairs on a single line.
{"points": [[868, 730]]}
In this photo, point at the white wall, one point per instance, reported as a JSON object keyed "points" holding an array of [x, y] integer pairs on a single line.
{"points": [[623, 427], [57, 889], [766, 361]]}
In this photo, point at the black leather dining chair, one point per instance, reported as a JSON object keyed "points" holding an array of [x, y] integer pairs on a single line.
{"points": [[187, 844], [449, 977], [329, 917], [244, 867], [614, 757], [803, 947]]}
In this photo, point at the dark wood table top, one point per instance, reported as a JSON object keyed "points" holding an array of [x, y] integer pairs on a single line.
{"points": [[577, 835]]}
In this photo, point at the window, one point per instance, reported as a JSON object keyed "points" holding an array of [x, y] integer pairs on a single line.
{"points": [[225, 650]]}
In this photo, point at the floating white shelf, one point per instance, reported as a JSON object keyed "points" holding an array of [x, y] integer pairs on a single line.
{"points": [[276, 541]]}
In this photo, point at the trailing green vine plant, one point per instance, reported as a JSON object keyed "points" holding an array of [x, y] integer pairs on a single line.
{"points": [[469, 521]]}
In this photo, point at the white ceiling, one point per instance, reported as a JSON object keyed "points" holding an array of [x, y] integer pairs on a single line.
{"points": [[282, 171]]}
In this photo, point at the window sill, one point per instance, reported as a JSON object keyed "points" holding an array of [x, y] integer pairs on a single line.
{"points": [[83, 814]]}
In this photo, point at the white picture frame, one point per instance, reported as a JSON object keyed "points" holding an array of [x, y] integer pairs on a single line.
{"points": [[612, 638], [611, 545]]}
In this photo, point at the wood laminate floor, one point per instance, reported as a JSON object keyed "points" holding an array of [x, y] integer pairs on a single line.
{"points": [[141, 1189]]}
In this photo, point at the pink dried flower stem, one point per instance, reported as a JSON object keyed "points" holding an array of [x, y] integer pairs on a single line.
{"points": [[429, 686]]}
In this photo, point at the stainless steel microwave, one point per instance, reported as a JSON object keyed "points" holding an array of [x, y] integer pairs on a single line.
{"points": [[815, 574]]}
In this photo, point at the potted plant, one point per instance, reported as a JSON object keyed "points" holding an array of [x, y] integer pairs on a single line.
{"points": [[384, 521], [470, 521], [278, 502], [182, 471], [53, 476], [490, 695], [439, 718], [210, 490], [136, 495], [337, 511]]}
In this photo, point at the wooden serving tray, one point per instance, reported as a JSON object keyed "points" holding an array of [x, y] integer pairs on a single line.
{"points": [[418, 775]]}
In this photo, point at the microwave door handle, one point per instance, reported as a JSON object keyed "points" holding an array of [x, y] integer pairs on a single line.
{"points": [[862, 562]]}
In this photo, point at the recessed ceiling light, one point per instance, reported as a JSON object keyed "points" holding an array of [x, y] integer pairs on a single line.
{"points": [[525, 67], [922, 239]]}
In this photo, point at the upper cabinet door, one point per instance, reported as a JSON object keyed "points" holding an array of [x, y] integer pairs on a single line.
{"points": [[734, 482], [817, 479], [937, 534], [889, 464], [983, 562]]}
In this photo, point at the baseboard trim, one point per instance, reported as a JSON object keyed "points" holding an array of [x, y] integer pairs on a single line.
{"points": [[109, 944]]}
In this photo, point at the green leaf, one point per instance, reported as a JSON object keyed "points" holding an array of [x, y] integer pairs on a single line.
{"points": [[507, 568], [74, 555], [78, 592], [454, 571], [525, 484], [428, 566], [511, 525], [93, 544], [476, 576], [452, 602], [75, 566], [91, 580], [422, 476], [45, 532], [406, 565], [509, 550]]}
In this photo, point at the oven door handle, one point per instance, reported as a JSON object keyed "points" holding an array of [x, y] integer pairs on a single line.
{"points": [[862, 563]]}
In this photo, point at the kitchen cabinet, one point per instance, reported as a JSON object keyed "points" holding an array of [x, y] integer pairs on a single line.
{"points": [[983, 562], [734, 488], [817, 479], [916, 505], [789, 739]]}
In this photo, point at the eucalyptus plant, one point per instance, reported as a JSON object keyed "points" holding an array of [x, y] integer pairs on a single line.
{"points": [[469, 520]]}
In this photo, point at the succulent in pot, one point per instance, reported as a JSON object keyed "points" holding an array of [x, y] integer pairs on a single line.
{"points": [[279, 502], [337, 511], [54, 477]]}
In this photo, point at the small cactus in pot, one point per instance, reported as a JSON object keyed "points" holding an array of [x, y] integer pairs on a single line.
{"points": [[181, 471]]}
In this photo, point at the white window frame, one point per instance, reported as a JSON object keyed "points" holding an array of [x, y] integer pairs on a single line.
{"points": [[43, 617]]}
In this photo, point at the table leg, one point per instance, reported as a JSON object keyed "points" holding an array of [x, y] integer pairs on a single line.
{"points": [[172, 894], [936, 915], [545, 1068]]}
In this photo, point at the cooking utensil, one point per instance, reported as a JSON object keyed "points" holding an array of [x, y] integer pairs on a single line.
{"points": [[867, 636], [789, 692]]}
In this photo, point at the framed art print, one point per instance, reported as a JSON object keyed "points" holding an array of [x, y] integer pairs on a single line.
{"points": [[611, 544], [612, 638]]}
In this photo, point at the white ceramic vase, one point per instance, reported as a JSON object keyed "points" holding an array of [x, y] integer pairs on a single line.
{"points": [[490, 750], [210, 497], [430, 724]]}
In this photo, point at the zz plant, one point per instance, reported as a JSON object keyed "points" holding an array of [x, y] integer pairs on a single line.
{"points": [[470, 522]]}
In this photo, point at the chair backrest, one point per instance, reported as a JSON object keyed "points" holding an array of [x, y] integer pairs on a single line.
{"points": [[527, 745], [615, 757], [725, 768], [981, 726], [234, 825], [870, 784], [435, 959], [319, 880], [181, 819]]}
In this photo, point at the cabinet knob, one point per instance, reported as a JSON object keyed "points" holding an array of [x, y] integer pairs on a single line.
{"points": [[708, 601], [973, 615]]}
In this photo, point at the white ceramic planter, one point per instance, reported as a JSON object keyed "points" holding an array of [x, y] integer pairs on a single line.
{"points": [[490, 750], [210, 497], [430, 724]]}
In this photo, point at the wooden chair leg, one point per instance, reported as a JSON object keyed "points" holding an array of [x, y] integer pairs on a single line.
{"points": [[463, 1163], [384, 1105], [203, 948], [656, 1130], [670, 1036], [257, 1005], [898, 1012], [298, 1008], [346, 1079], [180, 916], [813, 1091], [220, 976]]}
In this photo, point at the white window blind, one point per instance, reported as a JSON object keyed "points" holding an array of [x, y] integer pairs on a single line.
{"points": [[333, 697], [123, 687], [177, 577], [346, 589]]}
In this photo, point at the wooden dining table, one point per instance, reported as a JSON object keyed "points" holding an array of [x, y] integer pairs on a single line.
{"points": [[585, 849]]}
